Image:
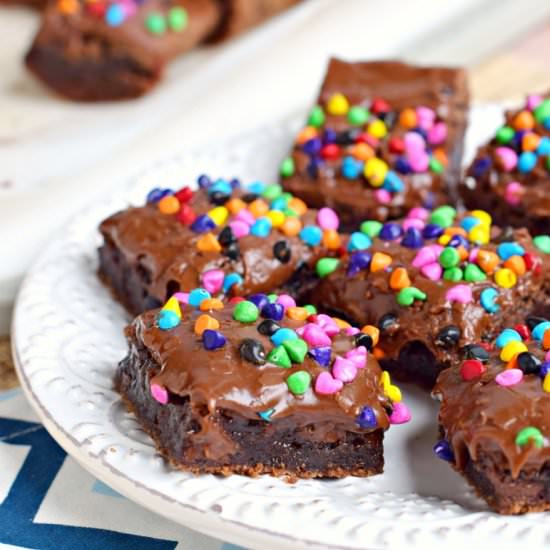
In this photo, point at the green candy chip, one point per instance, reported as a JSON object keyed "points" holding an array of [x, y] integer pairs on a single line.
{"points": [[177, 19], [287, 167], [296, 349], [325, 266], [371, 228], [542, 242], [155, 23], [316, 117], [279, 356], [299, 382]]}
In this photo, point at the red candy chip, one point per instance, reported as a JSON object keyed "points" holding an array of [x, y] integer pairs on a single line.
{"points": [[97, 9], [184, 194], [312, 318], [397, 145], [330, 151], [533, 263], [380, 106], [487, 346], [471, 369], [236, 299], [186, 215], [523, 331]]}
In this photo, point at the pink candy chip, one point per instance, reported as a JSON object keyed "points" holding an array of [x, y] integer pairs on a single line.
{"points": [[414, 143], [424, 257], [159, 393], [508, 157], [286, 301], [326, 384], [314, 335], [383, 196], [344, 370], [359, 359], [513, 193], [509, 377], [425, 117], [432, 271], [327, 324], [418, 213], [419, 161], [351, 331], [245, 216], [459, 293], [400, 414], [239, 228], [182, 297], [212, 280], [437, 134], [328, 219], [472, 257], [413, 222], [533, 101]]}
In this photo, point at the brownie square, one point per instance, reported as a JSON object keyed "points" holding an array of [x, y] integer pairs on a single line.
{"points": [[433, 283], [227, 238], [495, 419], [383, 137], [510, 175], [268, 387]]}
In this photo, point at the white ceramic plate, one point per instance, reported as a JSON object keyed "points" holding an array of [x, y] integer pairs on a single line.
{"points": [[67, 334]]}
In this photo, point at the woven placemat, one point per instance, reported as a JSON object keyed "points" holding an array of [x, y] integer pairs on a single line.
{"points": [[7, 374]]}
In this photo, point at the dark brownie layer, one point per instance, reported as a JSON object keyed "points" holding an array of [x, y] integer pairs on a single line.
{"points": [[397, 279], [494, 419], [406, 122], [510, 176], [258, 387]]}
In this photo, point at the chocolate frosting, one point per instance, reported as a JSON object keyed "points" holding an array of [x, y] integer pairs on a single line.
{"points": [[222, 379], [442, 89], [482, 416], [533, 206], [165, 251], [364, 298]]}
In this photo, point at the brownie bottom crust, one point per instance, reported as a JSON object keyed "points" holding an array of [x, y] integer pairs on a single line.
{"points": [[490, 477], [278, 448], [105, 78]]}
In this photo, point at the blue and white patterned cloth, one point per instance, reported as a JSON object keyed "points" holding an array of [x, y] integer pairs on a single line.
{"points": [[47, 501]]}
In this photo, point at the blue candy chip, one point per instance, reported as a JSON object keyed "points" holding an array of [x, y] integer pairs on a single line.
{"points": [[311, 235], [507, 250], [540, 329], [358, 241], [507, 335], [197, 295], [488, 300], [282, 335], [231, 280], [261, 227], [393, 183], [167, 319]]}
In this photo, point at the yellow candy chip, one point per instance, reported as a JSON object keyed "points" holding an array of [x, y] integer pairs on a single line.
{"points": [[377, 129], [444, 240], [173, 305], [511, 349], [482, 216], [393, 393], [385, 380], [506, 278], [479, 234], [218, 215], [338, 105], [375, 171], [276, 217], [546, 383]]}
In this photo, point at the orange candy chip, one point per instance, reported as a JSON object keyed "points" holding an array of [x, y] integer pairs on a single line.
{"points": [[331, 239], [524, 120], [373, 332], [291, 227], [487, 260], [305, 134], [258, 208], [68, 7], [546, 339], [340, 323], [407, 118], [205, 322], [235, 205], [297, 313], [399, 279], [210, 304], [208, 243], [298, 205], [169, 205], [380, 261], [516, 264]]}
